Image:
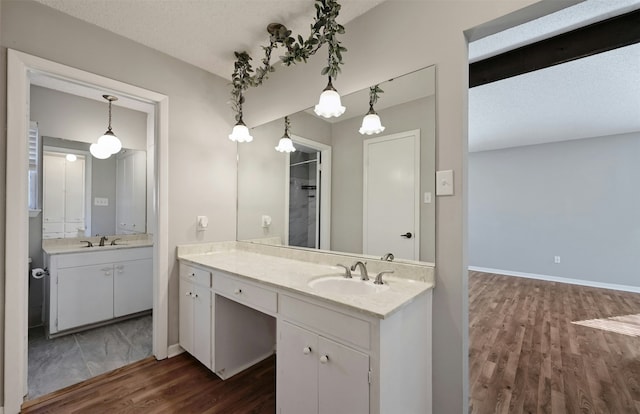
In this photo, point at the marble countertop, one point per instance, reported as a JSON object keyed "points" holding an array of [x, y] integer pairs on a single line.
{"points": [[294, 275]]}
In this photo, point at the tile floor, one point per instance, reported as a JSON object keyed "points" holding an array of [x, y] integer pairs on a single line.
{"points": [[60, 362]]}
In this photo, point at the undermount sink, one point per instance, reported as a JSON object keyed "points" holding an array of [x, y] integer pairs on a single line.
{"points": [[340, 284]]}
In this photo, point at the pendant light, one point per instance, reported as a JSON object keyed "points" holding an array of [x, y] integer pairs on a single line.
{"points": [[285, 144], [109, 142], [371, 122], [329, 104], [240, 132]]}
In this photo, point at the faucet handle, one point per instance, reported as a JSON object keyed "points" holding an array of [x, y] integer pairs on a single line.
{"points": [[378, 280], [347, 271], [89, 244]]}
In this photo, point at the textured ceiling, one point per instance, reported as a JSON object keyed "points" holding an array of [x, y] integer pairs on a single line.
{"points": [[204, 33]]}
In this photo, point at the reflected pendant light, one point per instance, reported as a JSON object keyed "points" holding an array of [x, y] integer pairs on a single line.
{"points": [[329, 104], [371, 122], [109, 142], [285, 144]]}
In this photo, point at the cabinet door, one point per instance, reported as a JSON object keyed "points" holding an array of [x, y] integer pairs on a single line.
{"points": [[202, 324], [132, 287], [186, 315], [343, 379], [297, 370], [85, 295]]}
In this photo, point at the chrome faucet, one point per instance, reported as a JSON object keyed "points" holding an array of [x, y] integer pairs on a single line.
{"points": [[364, 275], [102, 240], [347, 271], [378, 280], [388, 257]]}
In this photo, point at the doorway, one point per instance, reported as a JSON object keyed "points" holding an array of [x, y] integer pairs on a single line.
{"points": [[21, 69], [308, 195]]}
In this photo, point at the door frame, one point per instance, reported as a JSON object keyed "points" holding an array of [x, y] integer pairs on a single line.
{"points": [[19, 67], [325, 191], [415, 133]]}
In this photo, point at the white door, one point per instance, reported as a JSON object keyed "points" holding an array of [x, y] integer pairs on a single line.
{"points": [[391, 195]]}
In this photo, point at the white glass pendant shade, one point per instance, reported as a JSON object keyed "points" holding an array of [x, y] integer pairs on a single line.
{"points": [[240, 133], [329, 104], [371, 124], [285, 145], [71, 157], [99, 152], [110, 142]]}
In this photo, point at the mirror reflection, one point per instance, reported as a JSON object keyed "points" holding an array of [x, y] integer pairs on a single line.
{"points": [[81, 195], [342, 190]]}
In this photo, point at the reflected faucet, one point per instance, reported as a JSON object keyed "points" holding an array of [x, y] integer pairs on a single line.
{"points": [[113, 242], [388, 257], [89, 244], [364, 275], [102, 240]]}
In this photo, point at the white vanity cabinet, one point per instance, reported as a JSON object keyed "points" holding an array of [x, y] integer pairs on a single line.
{"points": [[318, 375], [97, 286], [195, 312], [85, 295]]}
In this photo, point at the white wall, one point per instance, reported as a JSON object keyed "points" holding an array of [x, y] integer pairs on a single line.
{"points": [[574, 199]]}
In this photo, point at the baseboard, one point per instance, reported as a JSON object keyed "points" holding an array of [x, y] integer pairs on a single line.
{"points": [[1, 410], [590, 283], [174, 350]]}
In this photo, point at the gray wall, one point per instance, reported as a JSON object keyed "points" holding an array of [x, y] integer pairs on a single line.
{"points": [[574, 199], [346, 233]]}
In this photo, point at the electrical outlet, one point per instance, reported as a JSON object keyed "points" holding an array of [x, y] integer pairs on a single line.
{"points": [[556, 259], [101, 201]]}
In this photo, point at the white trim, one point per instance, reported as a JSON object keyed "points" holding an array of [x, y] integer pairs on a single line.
{"points": [[415, 133], [548, 278], [19, 67], [174, 350]]}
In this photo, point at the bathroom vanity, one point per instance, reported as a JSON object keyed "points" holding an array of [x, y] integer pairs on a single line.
{"points": [[345, 346], [95, 285]]}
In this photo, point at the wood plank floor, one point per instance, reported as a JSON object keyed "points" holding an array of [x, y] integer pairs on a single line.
{"points": [[175, 385], [525, 355]]}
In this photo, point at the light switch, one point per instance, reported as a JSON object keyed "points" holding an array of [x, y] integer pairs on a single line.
{"points": [[266, 221], [427, 197], [101, 201], [444, 182]]}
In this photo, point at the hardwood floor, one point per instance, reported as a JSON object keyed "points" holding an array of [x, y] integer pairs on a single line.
{"points": [[526, 355], [175, 385]]}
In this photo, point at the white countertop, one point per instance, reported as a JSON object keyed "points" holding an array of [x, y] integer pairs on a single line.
{"points": [[82, 247], [294, 275]]}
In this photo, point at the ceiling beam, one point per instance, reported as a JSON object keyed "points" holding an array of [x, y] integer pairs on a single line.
{"points": [[613, 33]]}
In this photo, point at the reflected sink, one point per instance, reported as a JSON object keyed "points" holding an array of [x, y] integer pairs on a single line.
{"points": [[340, 284]]}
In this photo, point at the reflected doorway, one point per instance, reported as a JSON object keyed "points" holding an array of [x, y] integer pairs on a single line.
{"points": [[308, 181]]}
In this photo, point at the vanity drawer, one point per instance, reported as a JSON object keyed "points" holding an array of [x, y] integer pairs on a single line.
{"points": [[195, 275], [328, 321], [249, 294]]}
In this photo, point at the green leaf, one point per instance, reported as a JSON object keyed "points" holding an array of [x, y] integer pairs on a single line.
{"points": [[325, 70]]}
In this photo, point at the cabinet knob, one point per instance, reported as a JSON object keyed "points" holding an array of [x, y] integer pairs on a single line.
{"points": [[306, 350], [188, 294], [195, 295], [324, 359], [238, 291], [193, 274]]}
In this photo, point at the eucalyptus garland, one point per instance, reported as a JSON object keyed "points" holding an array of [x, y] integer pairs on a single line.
{"points": [[324, 29], [373, 95]]}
